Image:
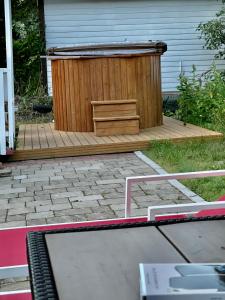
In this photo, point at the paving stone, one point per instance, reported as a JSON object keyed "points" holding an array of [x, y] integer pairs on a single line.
{"points": [[73, 211], [112, 201], [19, 211], [6, 186], [3, 212], [45, 173], [146, 204], [38, 203], [102, 191], [39, 215], [16, 218], [35, 189], [134, 212], [100, 216], [114, 195], [18, 177], [71, 176], [12, 205], [12, 191], [9, 196], [62, 219], [67, 194], [122, 206], [86, 198], [110, 181], [12, 224], [25, 194], [93, 203], [103, 187], [21, 200], [42, 197], [56, 178], [24, 185], [3, 219], [168, 196], [181, 201], [36, 222], [79, 218], [83, 183], [60, 200], [46, 192], [35, 179], [3, 202], [88, 168], [53, 207], [147, 198], [102, 209], [126, 172], [56, 186]]}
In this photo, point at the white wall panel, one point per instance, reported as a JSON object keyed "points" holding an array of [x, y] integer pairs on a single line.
{"points": [[72, 22]]}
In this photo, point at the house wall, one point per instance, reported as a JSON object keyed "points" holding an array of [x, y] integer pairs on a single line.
{"points": [[72, 22]]}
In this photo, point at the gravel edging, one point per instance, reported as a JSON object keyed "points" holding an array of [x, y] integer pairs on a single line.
{"points": [[182, 188]]}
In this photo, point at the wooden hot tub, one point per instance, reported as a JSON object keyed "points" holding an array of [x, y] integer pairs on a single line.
{"points": [[83, 74]]}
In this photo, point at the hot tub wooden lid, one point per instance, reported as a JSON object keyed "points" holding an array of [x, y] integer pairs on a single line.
{"points": [[113, 49]]}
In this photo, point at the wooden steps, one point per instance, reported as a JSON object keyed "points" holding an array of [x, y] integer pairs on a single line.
{"points": [[117, 117]]}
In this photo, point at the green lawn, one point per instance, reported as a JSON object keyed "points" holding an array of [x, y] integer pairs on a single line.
{"points": [[193, 156]]}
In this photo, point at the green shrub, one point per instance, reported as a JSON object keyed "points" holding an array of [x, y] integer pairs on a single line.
{"points": [[202, 99]]}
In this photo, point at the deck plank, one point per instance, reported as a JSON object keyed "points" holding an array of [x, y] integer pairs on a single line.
{"points": [[57, 137], [42, 136], [35, 136], [49, 136], [28, 138], [21, 137], [43, 141]]}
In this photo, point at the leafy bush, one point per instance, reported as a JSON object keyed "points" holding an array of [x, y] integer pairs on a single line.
{"points": [[27, 46], [202, 98], [213, 32], [25, 103]]}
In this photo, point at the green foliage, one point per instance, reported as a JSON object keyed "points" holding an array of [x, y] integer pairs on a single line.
{"points": [[27, 46], [202, 99], [193, 156], [25, 112], [213, 32]]}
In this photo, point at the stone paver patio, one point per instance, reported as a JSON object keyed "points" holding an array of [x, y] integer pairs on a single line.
{"points": [[78, 189]]}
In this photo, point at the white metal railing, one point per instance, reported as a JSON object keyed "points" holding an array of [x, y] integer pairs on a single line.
{"points": [[189, 209], [7, 112], [3, 96], [132, 180]]}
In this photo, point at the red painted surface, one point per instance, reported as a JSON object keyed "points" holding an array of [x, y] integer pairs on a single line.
{"points": [[212, 212], [22, 296], [163, 218], [13, 241], [202, 213]]}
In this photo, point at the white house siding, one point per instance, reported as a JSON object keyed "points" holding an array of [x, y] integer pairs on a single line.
{"points": [[70, 22]]}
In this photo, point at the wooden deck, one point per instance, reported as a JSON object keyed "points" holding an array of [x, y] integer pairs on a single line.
{"points": [[37, 141]]}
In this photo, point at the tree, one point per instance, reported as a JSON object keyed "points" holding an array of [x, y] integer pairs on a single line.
{"points": [[2, 36], [213, 32], [27, 45]]}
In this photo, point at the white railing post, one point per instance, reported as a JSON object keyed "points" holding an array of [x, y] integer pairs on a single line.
{"points": [[10, 73], [189, 209], [188, 175], [2, 115]]}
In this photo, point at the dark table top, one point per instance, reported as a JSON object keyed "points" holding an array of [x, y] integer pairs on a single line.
{"points": [[103, 264]]}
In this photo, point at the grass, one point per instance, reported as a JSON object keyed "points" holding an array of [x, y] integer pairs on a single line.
{"points": [[193, 156]]}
